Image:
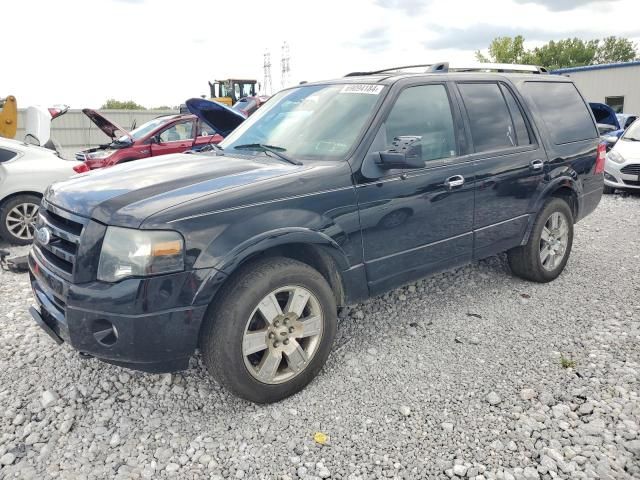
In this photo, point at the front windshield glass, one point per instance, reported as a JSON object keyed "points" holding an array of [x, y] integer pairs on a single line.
{"points": [[315, 122], [143, 130], [633, 132]]}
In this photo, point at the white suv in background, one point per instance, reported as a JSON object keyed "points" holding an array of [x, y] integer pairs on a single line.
{"points": [[622, 168]]}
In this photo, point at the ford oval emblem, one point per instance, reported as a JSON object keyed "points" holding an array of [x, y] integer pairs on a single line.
{"points": [[44, 236]]}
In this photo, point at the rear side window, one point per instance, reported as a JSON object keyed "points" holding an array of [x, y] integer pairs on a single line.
{"points": [[491, 125], [522, 134], [6, 155], [564, 112]]}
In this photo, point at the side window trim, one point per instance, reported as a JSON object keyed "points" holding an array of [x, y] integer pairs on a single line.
{"points": [[527, 121], [467, 121]]}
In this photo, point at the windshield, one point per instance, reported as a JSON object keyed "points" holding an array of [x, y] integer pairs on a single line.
{"points": [[315, 122], [143, 129], [633, 132]]}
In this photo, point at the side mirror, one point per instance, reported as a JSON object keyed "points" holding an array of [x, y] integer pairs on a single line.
{"points": [[155, 139], [406, 152], [610, 139]]}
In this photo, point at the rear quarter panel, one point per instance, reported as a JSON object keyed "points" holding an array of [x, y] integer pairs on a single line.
{"points": [[33, 173]]}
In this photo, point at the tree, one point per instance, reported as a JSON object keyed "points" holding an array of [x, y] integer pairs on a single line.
{"points": [[570, 52], [113, 104], [612, 50], [505, 50]]}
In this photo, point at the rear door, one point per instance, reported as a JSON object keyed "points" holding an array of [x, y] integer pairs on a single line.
{"points": [[509, 164], [176, 138]]}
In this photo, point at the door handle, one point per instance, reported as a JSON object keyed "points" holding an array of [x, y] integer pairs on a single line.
{"points": [[536, 164], [453, 182]]}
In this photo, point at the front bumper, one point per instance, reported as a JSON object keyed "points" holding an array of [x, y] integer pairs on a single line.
{"points": [[149, 324], [615, 177]]}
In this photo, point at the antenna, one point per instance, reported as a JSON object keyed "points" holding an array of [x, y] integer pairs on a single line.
{"points": [[267, 84], [285, 65]]}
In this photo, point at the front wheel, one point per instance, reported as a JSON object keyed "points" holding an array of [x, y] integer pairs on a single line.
{"points": [[270, 329], [18, 219], [546, 253]]}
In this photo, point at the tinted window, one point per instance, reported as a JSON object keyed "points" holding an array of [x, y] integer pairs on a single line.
{"points": [[491, 126], [179, 131], [563, 111], [424, 111], [522, 134], [6, 155]]}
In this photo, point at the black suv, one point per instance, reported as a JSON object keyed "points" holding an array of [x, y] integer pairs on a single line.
{"points": [[330, 193]]}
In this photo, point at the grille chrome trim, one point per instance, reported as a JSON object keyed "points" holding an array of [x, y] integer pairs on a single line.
{"points": [[59, 254]]}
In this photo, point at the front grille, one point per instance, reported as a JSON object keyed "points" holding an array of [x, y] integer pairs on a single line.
{"points": [[634, 183], [65, 229], [633, 169]]}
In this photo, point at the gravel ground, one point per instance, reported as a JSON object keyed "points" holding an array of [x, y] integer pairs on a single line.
{"points": [[471, 373]]}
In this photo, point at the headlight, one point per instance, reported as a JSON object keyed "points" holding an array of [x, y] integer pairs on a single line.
{"points": [[615, 156], [100, 154], [138, 253]]}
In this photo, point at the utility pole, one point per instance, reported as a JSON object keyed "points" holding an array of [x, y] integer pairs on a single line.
{"points": [[285, 65], [267, 84]]}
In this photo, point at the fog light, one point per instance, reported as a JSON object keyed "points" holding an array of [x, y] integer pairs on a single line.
{"points": [[105, 332], [611, 178]]}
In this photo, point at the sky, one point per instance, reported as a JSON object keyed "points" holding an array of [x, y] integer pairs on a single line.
{"points": [[161, 52]]}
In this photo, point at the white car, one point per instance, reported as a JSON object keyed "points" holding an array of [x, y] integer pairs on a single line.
{"points": [[622, 168], [25, 173]]}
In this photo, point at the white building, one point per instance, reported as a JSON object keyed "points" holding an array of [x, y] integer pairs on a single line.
{"points": [[616, 84]]}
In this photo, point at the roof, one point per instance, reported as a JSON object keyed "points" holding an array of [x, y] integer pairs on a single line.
{"points": [[604, 66]]}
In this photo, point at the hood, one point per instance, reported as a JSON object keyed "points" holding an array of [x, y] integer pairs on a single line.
{"points": [[604, 114], [221, 118], [127, 194], [628, 149], [104, 124]]}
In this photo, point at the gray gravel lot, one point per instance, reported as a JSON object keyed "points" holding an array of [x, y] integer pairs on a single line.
{"points": [[471, 373]]}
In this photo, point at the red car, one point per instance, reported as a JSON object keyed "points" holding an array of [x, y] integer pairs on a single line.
{"points": [[160, 136]]}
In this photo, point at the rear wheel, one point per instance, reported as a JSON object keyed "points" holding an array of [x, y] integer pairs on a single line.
{"points": [[270, 330], [18, 217], [546, 253]]}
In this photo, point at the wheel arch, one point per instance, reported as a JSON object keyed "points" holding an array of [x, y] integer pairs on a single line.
{"points": [[310, 247], [17, 194], [564, 188]]}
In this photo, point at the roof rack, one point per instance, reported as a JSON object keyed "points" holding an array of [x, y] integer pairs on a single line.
{"points": [[444, 67]]}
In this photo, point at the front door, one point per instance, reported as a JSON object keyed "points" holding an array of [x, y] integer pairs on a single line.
{"points": [[510, 165], [419, 220], [177, 138]]}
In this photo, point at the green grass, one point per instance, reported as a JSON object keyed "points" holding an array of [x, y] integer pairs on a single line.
{"points": [[567, 362]]}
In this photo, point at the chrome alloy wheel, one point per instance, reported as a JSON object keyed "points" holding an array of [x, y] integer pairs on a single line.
{"points": [[553, 241], [282, 334], [21, 220]]}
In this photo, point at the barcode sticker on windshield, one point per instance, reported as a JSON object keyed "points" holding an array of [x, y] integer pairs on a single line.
{"points": [[362, 88]]}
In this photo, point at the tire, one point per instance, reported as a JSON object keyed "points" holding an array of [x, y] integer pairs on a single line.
{"points": [[17, 208], [526, 261], [608, 190], [236, 316]]}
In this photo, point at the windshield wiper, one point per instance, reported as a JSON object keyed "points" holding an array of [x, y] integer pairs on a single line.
{"points": [[278, 151]]}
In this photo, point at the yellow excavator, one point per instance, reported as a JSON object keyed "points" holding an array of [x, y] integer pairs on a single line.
{"points": [[8, 117], [231, 90]]}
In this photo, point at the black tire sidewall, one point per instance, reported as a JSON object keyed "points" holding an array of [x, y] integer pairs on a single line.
{"points": [[552, 206], [222, 342], [6, 207]]}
